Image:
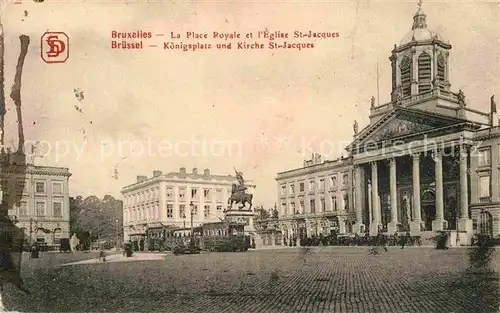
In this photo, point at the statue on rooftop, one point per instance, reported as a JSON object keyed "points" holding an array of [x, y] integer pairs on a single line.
{"points": [[461, 98]]}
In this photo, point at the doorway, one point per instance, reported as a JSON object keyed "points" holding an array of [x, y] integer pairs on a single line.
{"points": [[428, 200], [428, 215]]}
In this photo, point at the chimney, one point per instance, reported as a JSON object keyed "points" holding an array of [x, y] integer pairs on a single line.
{"points": [[195, 171], [141, 178], [157, 173], [493, 112], [206, 172]]}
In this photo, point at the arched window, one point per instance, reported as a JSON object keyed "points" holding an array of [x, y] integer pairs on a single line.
{"points": [[40, 236], [405, 67], [485, 223], [57, 236], [424, 73]]}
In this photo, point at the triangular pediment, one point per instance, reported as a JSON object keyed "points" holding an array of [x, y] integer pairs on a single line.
{"points": [[397, 127], [406, 122]]}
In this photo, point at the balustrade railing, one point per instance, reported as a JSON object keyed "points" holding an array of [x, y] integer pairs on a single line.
{"points": [[418, 97]]}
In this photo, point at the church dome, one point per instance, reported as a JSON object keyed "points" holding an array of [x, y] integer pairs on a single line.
{"points": [[419, 30], [420, 34]]}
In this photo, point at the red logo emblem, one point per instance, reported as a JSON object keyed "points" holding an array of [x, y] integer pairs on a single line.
{"points": [[54, 47]]}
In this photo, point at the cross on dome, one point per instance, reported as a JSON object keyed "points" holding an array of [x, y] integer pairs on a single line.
{"points": [[419, 19]]}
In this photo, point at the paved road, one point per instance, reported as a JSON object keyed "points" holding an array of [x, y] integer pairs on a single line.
{"points": [[286, 280]]}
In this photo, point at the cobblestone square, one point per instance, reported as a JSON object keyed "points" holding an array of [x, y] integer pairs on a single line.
{"points": [[287, 280]]}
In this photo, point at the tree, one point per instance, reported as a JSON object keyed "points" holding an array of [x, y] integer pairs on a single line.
{"points": [[262, 214], [275, 213], [75, 208], [93, 218]]}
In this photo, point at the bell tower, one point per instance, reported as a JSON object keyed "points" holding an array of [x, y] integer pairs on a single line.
{"points": [[420, 63]]}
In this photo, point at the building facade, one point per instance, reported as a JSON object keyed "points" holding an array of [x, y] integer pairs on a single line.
{"points": [[426, 162], [43, 211], [170, 200], [317, 198]]}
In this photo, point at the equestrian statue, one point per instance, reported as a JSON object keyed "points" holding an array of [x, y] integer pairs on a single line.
{"points": [[238, 193]]}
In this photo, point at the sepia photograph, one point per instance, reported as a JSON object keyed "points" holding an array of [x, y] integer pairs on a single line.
{"points": [[250, 156]]}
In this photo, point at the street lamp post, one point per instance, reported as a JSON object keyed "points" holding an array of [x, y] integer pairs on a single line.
{"points": [[117, 234], [191, 207], [31, 231]]}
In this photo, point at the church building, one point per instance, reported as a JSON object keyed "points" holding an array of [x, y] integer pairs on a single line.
{"points": [[428, 161]]}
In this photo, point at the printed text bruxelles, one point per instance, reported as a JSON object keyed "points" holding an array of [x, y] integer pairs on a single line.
{"points": [[126, 43]]}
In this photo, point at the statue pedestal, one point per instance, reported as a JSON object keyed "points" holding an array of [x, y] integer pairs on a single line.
{"points": [[241, 216]]}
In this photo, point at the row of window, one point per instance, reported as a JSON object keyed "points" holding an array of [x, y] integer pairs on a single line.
{"points": [[57, 187], [207, 193], [184, 211], [22, 186], [334, 206], [143, 196], [40, 209], [55, 236], [153, 194], [312, 185]]}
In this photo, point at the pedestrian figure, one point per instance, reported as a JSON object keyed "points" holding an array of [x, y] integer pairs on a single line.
{"points": [[102, 256], [405, 240], [383, 242]]}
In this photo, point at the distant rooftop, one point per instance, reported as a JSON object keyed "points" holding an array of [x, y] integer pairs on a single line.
{"points": [[182, 174], [315, 164]]}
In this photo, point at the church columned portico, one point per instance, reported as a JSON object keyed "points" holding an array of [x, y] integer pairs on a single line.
{"points": [[395, 188]]}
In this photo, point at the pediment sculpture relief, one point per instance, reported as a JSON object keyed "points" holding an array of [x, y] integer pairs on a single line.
{"points": [[399, 128]]}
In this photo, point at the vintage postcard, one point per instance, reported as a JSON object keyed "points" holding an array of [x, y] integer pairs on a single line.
{"points": [[249, 156]]}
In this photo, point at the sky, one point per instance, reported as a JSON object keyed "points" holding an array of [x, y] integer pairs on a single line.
{"points": [[261, 111]]}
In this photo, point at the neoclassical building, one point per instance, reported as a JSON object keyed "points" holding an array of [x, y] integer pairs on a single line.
{"points": [[42, 211], [316, 198], [171, 199], [428, 161]]}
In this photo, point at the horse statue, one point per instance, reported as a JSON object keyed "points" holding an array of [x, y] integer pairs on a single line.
{"points": [[239, 196]]}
